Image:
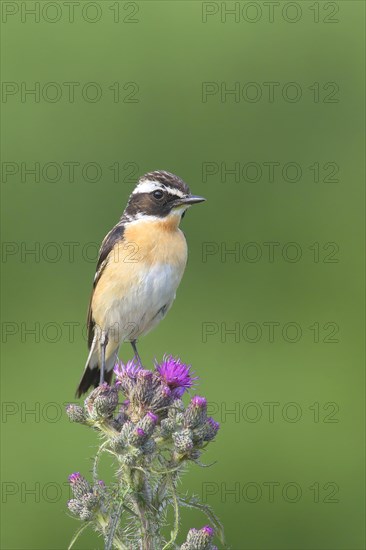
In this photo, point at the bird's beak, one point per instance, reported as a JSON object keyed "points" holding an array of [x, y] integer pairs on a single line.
{"points": [[190, 199]]}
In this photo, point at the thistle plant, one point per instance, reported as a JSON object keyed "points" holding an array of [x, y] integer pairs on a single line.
{"points": [[152, 436]]}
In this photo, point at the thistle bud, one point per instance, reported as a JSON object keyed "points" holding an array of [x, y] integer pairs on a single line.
{"points": [[176, 411], [149, 447], [86, 514], [148, 423], [162, 398], [76, 413], [99, 488], [195, 454], [102, 402], [132, 456], [175, 408], [75, 506], [79, 485], [196, 412], [183, 441], [121, 417], [117, 444], [90, 501], [167, 427], [207, 431], [199, 539], [137, 437], [122, 440], [212, 427], [143, 390], [127, 430]]}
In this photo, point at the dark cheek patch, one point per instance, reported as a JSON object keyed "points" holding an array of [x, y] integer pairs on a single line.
{"points": [[145, 203]]}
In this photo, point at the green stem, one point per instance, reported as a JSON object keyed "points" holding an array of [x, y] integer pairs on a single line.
{"points": [[145, 528], [112, 538], [174, 533], [137, 481], [96, 461]]}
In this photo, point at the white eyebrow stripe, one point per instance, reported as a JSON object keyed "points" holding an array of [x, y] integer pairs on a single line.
{"points": [[175, 191], [147, 186]]}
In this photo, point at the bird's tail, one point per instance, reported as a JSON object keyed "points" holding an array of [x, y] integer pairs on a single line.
{"points": [[91, 374]]}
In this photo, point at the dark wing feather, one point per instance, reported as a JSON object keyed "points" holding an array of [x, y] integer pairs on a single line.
{"points": [[115, 235]]}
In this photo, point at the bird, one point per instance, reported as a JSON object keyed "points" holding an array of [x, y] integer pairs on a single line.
{"points": [[140, 266]]}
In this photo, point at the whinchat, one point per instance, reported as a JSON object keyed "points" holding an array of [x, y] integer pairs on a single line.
{"points": [[141, 263]]}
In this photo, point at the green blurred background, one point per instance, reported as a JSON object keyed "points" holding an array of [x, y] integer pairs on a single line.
{"points": [[292, 478]]}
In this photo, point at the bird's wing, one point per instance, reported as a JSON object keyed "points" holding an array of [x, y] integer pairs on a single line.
{"points": [[115, 235]]}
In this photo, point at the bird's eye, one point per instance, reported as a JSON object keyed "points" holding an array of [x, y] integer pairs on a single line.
{"points": [[158, 194]]}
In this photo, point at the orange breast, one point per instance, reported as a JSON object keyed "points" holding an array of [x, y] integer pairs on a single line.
{"points": [[157, 242], [145, 246]]}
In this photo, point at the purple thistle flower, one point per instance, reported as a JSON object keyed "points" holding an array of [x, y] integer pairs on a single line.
{"points": [[175, 374], [130, 370], [140, 432], [126, 375]]}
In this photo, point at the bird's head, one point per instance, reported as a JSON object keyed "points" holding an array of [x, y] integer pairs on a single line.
{"points": [[160, 195]]}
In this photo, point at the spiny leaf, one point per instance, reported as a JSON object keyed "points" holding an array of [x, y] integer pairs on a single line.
{"points": [[193, 502]]}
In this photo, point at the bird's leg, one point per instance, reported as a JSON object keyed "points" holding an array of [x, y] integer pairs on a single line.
{"points": [[134, 347], [103, 345]]}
